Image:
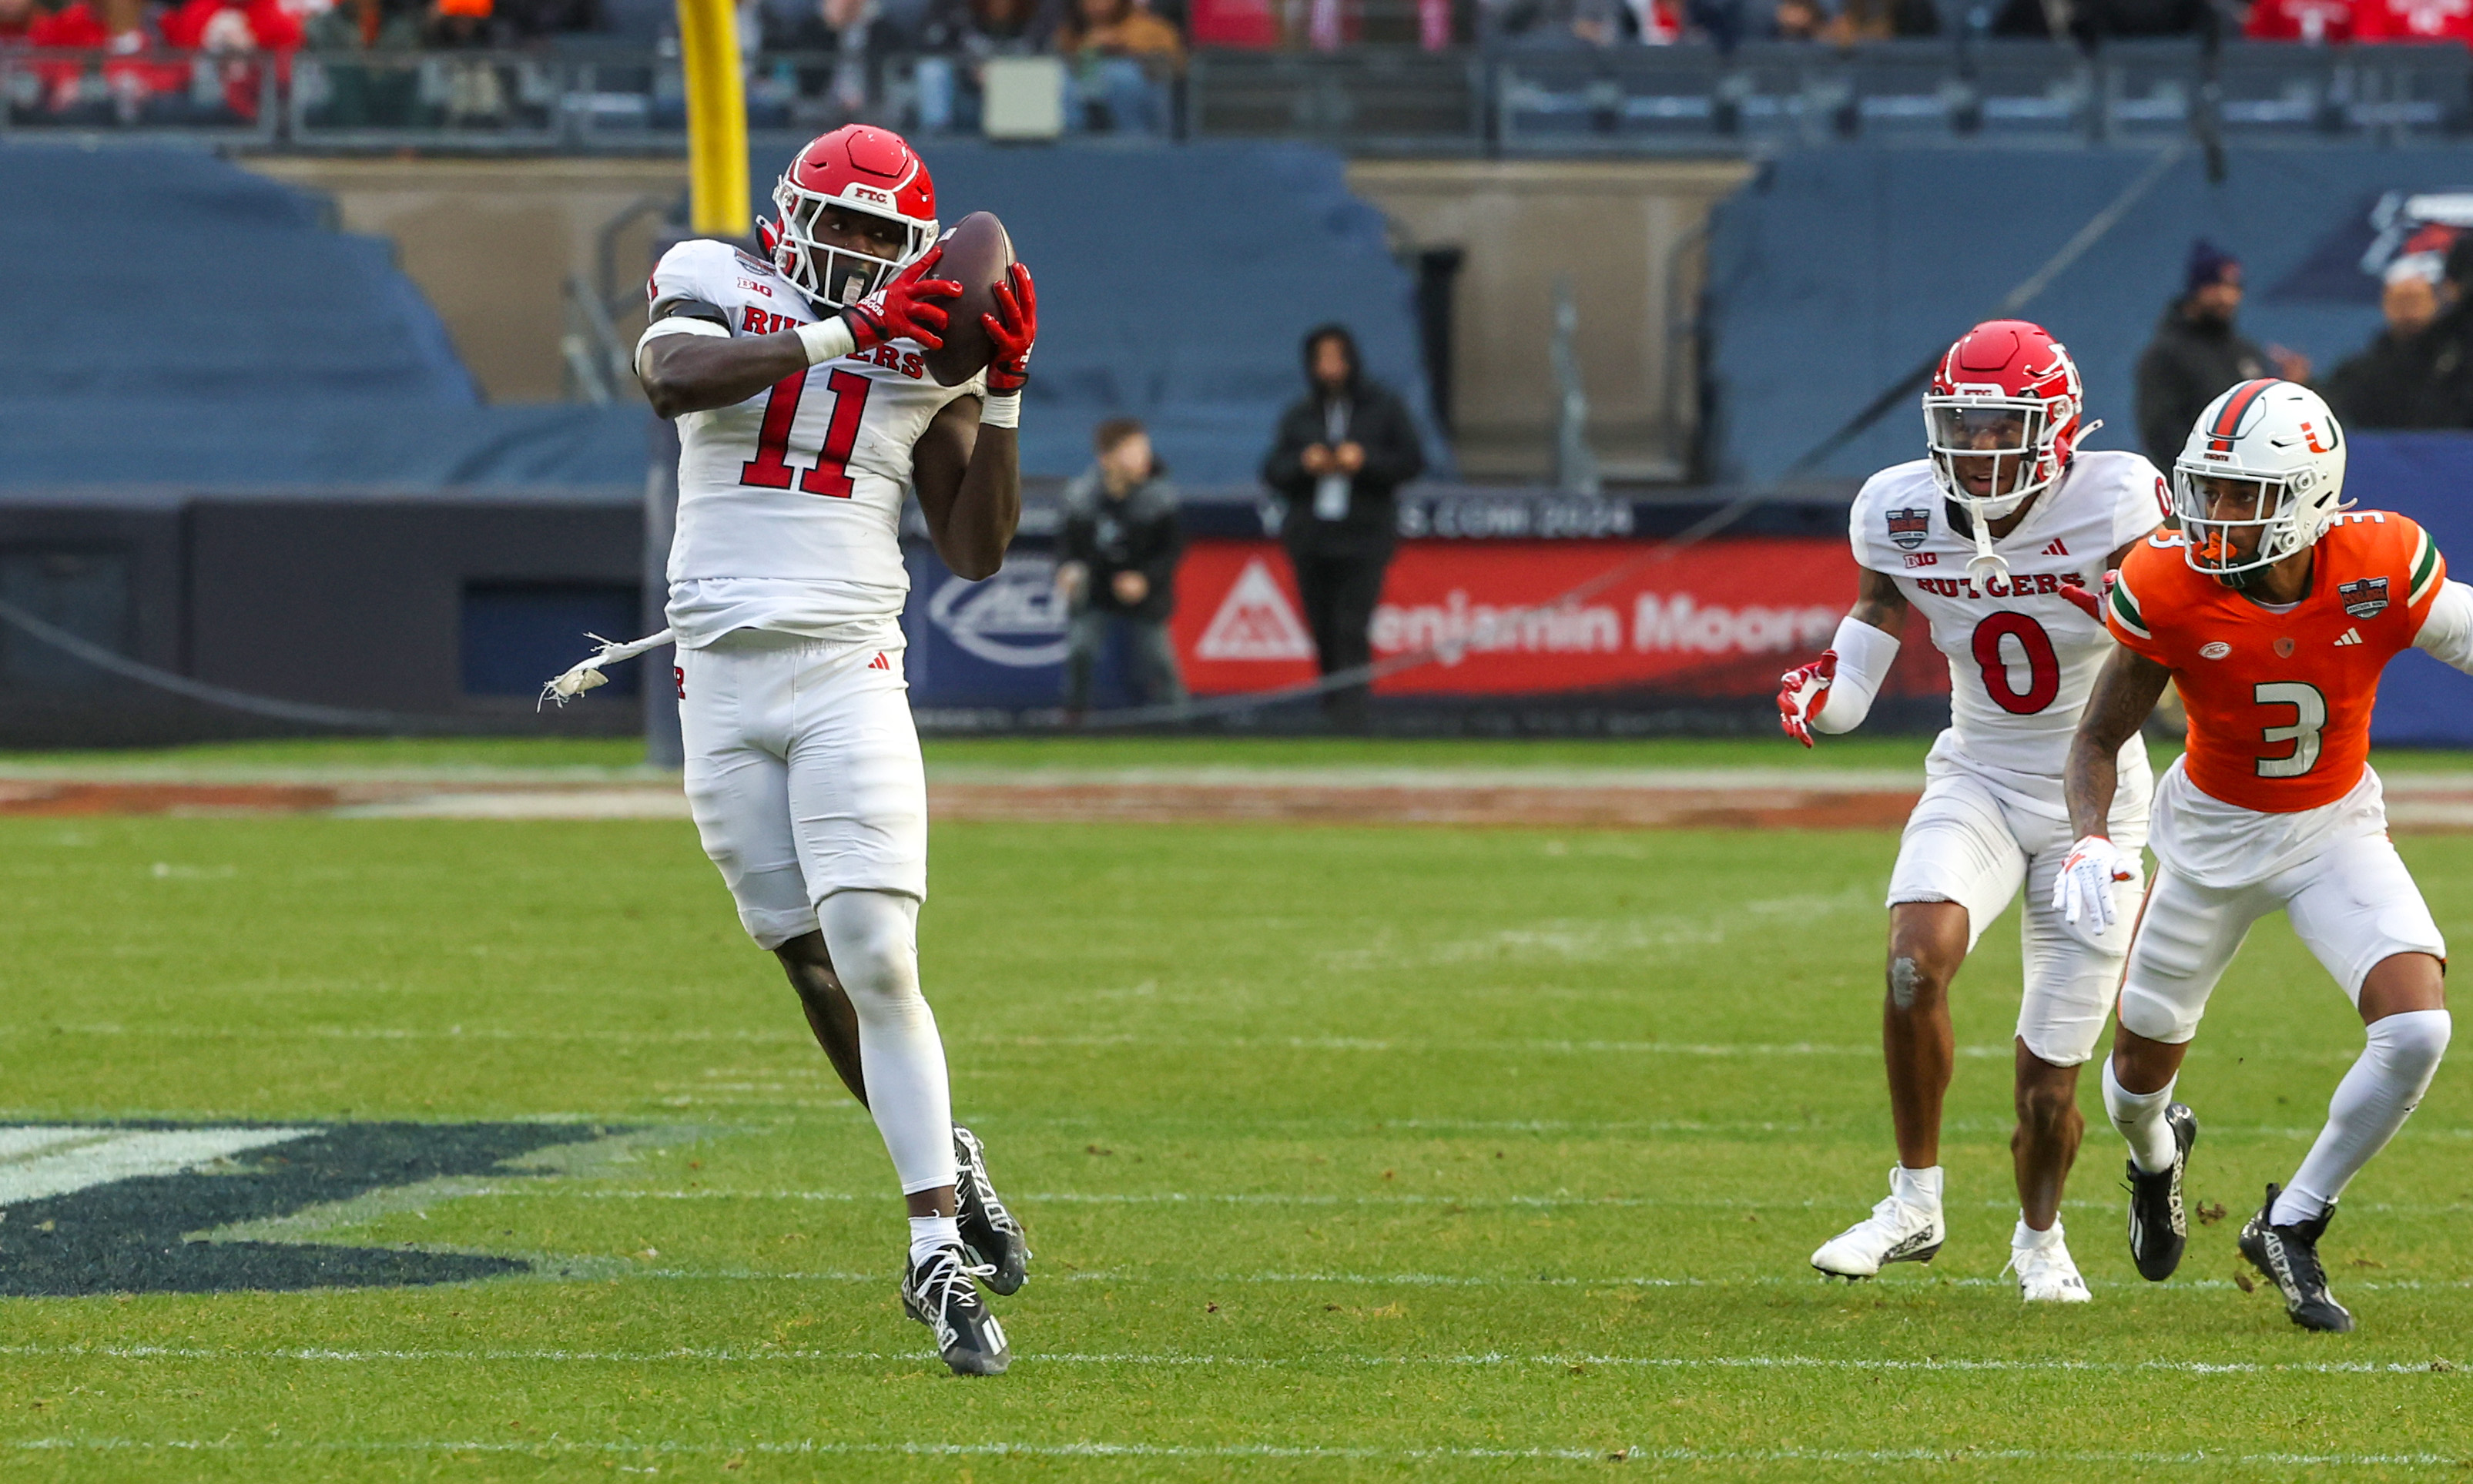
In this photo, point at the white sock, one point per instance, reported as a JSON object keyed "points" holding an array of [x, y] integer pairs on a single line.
{"points": [[2024, 1237], [929, 1233], [2140, 1117], [1916, 1188], [872, 937], [2384, 1086]]}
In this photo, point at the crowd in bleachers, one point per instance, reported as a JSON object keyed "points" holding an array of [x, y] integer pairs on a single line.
{"points": [[1851, 22]]}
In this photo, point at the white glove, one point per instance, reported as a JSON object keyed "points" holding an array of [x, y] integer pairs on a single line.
{"points": [[2082, 894]]}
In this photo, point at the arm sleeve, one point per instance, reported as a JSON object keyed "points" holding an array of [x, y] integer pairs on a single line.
{"points": [[1864, 654], [2447, 633]]}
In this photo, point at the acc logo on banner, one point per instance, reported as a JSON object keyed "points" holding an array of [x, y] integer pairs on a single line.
{"points": [[1015, 618]]}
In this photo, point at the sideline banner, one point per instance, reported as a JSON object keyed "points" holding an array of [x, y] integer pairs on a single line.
{"points": [[1722, 618]]}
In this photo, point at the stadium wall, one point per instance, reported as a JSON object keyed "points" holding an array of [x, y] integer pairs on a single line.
{"points": [[1834, 273]]}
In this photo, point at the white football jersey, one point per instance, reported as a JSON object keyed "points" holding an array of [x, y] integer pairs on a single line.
{"points": [[2022, 657], [790, 502]]}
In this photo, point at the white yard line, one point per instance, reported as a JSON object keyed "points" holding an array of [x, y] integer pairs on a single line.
{"points": [[728, 1355], [1367, 1452]]}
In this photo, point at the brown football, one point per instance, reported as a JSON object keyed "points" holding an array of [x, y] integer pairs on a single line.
{"points": [[976, 255]]}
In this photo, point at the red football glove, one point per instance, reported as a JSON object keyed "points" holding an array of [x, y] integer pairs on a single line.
{"points": [[1012, 328], [1802, 693], [2090, 603], [905, 308]]}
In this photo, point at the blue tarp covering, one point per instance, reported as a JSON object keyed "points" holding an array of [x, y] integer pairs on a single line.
{"points": [[176, 320], [1837, 270], [2428, 476]]}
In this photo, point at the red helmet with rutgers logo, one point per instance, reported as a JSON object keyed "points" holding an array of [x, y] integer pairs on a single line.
{"points": [[2002, 417], [870, 171]]}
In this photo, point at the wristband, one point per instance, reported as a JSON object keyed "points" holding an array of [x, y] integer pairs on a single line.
{"points": [[1001, 410], [828, 339], [1864, 654]]}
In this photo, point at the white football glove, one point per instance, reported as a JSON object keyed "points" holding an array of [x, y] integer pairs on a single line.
{"points": [[2083, 893]]}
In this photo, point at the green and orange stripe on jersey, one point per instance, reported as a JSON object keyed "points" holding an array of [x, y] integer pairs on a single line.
{"points": [[2125, 607], [2425, 566]]}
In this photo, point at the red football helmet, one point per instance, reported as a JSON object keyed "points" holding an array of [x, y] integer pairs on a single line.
{"points": [[859, 169], [2005, 400]]}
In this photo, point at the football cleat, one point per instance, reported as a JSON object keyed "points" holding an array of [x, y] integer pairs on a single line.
{"points": [[2158, 1226], [1896, 1231], [2290, 1257], [2046, 1275], [990, 1233], [939, 1294]]}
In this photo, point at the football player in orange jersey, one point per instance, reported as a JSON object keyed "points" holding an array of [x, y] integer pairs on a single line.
{"points": [[2273, 609]]}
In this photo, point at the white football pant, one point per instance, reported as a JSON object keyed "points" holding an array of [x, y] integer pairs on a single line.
{"points": [[1967, 845]]}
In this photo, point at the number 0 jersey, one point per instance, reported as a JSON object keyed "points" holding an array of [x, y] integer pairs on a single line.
{"points": [[2022, 657], [790, 502], [2280, 702]]}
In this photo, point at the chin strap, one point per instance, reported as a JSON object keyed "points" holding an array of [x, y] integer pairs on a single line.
{"points": [[1987, 564]]}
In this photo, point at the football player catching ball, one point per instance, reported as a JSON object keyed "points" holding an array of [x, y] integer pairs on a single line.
{"points": [[806, 413]]}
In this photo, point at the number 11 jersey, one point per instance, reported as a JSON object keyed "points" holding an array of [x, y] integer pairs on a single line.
{"points": [[2022, 657], [790, 502]]}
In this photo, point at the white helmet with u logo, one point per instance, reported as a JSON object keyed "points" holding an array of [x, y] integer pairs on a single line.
{"points": [[2260, 478]]}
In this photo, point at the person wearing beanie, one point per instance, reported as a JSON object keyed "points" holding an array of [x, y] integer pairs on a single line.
{"points": [[2197, 352]]}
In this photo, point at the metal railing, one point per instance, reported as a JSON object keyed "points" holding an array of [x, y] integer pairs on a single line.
{"points": [[595, 96]]}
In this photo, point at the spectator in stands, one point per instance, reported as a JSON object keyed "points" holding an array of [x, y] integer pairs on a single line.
{"points": [[957, 37], [1797, 20], [2197, 353], [1121, 550], [1339, 454], [236, 33], [17, 22], [2395, 382], [367, 97], [1858, 21], [2316, 22], [2394, 22], [2451, 333], [122, 90], [855, 34], [2092, 22], [1123, 58]]}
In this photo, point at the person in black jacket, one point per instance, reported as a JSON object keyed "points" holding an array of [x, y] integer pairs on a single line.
{"points": [[1341, 452], [1121, 550], [2197, 354], [2397, 380]]}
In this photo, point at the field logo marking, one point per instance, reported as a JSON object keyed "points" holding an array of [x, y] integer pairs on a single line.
{"points": [[116, 1208]]}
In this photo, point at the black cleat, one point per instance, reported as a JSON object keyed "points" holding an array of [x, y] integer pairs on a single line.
{"points": [[2158, 1227], [989, 1232], [2290, 1257], [939, 1294]]}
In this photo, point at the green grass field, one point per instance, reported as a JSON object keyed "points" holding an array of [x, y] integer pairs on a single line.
{"points": [[1346, 1153]]}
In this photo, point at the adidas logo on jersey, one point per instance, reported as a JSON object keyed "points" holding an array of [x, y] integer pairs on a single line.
{"points": [[2056, 549], [2350, 636]]}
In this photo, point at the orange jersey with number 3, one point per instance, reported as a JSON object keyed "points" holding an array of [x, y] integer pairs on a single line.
{"points": [[2280, 703]]}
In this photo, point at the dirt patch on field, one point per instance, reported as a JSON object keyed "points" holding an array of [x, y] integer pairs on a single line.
{"points": [[68, 797], [1696, 800], [1563, 807]]}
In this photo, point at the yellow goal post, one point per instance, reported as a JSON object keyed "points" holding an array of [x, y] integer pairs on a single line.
{"points": [[716, 118]]}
